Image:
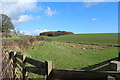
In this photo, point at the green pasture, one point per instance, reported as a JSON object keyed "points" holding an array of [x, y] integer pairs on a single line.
{"points": [[71, 55], [68, 52], [101, 38]]}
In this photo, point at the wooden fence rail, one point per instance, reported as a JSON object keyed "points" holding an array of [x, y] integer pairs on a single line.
{"points": [[82, 74], [40, 67], [99, 64], [45, 68]]}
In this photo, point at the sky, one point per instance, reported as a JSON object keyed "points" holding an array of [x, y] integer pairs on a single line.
{"points": [[34, 17]]}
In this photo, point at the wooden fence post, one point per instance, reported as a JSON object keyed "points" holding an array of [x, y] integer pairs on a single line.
{"points": [[24, 67], [119, 56], [12, 56], [49, 70], [115, 65]]}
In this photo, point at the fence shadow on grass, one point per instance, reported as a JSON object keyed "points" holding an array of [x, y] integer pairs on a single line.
{"points": [[100, 66]]}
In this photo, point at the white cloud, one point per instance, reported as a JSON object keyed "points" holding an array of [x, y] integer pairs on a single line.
{"points": [[35, 32], [40, 31], [49, 12], [94, 19], [24, 18], [16, 8], [89, 3]]}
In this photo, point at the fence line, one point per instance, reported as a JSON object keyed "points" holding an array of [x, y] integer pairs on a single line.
{"points": [[40, 67], [45, 68], [99, 64], [63, 74]]}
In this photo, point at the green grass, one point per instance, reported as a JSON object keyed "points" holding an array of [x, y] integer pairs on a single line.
{"points": [[67, 52], [71, 55], [105, 38]]}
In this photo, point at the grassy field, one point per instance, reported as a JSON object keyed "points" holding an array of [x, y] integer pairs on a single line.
{"points": [[67, 52], [105, 38], [71, 56]]}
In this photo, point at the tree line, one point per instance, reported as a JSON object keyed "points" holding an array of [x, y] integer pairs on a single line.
{"points": [[55, 33]]}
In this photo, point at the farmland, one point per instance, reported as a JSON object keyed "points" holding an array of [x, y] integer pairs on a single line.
{"points": [[76, 51], [100, 38]]}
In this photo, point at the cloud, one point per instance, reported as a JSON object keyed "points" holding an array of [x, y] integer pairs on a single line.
{"points": [[24, 18], [40, 31], [49, 12], [16, 9], [89, 3], [35, 32], [94, 19]]}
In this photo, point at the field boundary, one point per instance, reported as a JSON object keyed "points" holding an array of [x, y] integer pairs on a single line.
{"points": [[45, 68], [20, 66]]}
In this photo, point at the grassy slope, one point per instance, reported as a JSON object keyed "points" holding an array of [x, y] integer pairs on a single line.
{"points": [[71, 55], [109, 38]]}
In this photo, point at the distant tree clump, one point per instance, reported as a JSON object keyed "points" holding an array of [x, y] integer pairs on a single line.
{"points": [[55, 33], [5, 25]]}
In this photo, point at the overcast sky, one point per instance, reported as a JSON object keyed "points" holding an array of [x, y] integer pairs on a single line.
{"points": [[33, 17]]}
